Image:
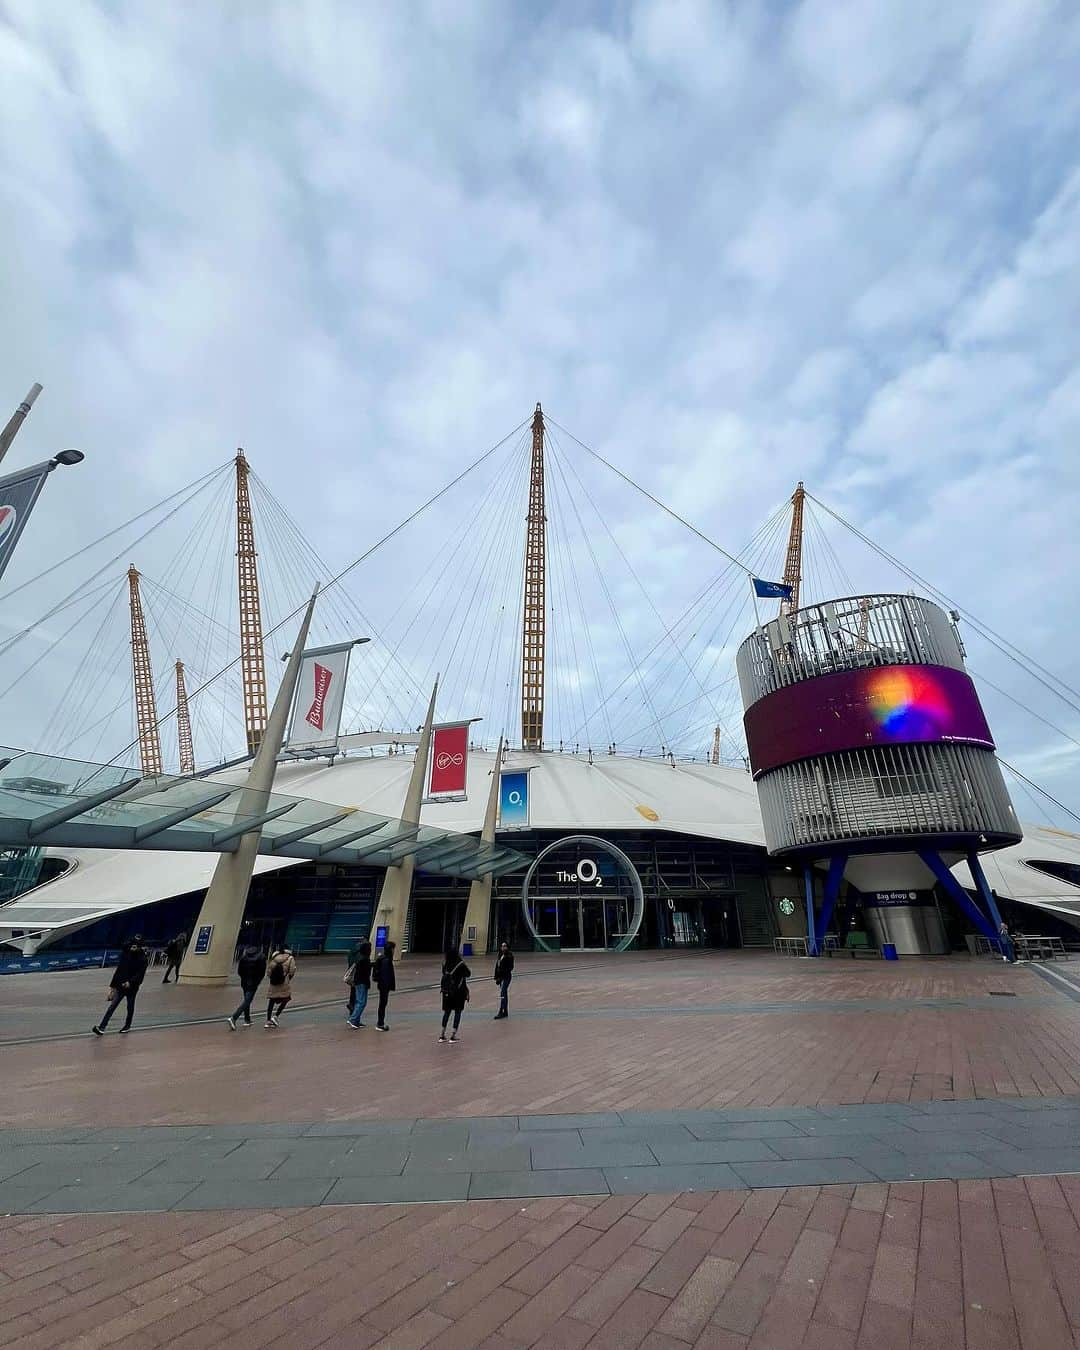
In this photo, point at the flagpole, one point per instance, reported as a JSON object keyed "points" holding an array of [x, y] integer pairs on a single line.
{"points": [[753, 592]]}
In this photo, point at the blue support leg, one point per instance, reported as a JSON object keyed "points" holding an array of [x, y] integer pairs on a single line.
{"points": [[835, 876], [983, 887], [937, 865], [811, 927]]}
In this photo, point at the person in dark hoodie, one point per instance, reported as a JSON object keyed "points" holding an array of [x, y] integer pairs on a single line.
{"points": [[455, 990], [504, 973], [125, 984], [350, 964], [174, 954], [383, 971], [252, 969], [360, 979]]}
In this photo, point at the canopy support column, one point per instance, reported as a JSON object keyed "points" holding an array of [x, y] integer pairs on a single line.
{"points": [[478, 910]]}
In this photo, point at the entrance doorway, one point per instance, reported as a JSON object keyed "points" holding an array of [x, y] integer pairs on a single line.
{"points": [[583, 924]]}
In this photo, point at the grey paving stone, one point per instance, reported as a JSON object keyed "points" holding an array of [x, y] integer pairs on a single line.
{"points": [[714, 1151], [629, 1154], [405, 1189], [968, 1120], [590, 1121], [383, 1161], [510, 1185], [16, 1161], [639, 1134], [869, 1110], [251, 1167], [803, 1172], [748, 1129], [939, 1141], [973, 1105], [719, 1116], [113, 1199], [149, 1133], [516, 1158], [928, 1167], [850, 1124], [255, 1129], [1034, 1136], [486, 1124], [332, 1129], [74, 1174], [1032, 1161], [287, 1193], [451, 1139], [19, 1136], [17, 1197], [672, 1178], [832, 1146]]}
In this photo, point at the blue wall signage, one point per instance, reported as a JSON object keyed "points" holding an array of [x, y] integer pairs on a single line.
{"points": [[513, 799], [894, 899], [381, 934], [202, 939]]}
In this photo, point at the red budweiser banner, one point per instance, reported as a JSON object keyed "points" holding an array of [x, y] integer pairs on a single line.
{"points": [[449, 760], [322, 688]]}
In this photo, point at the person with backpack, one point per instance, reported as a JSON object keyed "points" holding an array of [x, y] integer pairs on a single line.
{"points": [[350, 963], [174, 954], [282, 971], [125, 984], [252, 969], [504, 973], [455, 991], [383, 971], [359, 977]]}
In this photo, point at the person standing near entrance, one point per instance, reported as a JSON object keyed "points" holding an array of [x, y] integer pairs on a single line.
{"points": [[504, 973], [1005, 943], [455, 991], [350, 964], [126, 981], [360, 973], [282, 971], [383, 970], [174, 954], [251, 968]]}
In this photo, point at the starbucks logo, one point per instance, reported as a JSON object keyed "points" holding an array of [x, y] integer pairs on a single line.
{"points": [[787, 906]]}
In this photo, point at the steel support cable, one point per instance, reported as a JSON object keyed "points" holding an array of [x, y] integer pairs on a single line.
{"points": [[691, 703], [356, 562], [1041, 790], [983, 679], [88, 581], [680, 653], [615, 615], [62, 706], [1035, 802], [846, 581], [564, 568], [1028, 664], [196, 483], [722, 580], [94, 595]]}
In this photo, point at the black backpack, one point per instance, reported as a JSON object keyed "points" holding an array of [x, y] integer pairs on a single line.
{"points": [[451, 982]]}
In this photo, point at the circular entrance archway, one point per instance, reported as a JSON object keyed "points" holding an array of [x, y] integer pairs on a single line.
{"points": [[572, 900]]}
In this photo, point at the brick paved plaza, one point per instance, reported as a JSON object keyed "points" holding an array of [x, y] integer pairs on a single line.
{"points": [[715, 1150]]}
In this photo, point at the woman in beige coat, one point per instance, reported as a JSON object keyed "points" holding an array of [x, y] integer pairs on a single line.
{"points": [[281, 971]]}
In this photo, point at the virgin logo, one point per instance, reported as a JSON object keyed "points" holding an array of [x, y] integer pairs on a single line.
{"points": [[446, 761]]}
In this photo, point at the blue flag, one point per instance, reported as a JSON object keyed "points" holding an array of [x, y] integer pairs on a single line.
{"points": [[771, 590]]}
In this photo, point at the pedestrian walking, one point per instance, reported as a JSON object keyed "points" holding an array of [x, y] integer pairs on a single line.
{"points": [[281, 970], [385, 980], [125, 984], [455, 991], [174, 954], [350, 964], [252, 970], [359, 976], [504, 973], [1005, 943]]}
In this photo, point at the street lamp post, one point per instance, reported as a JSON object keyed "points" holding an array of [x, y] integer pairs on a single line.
{"points": [[18, 417]]}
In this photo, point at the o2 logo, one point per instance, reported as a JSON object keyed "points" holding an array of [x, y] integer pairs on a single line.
{"points": [[586, 873]]}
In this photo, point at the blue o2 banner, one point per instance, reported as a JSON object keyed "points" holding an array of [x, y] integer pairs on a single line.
{"points": [[513, 799]]}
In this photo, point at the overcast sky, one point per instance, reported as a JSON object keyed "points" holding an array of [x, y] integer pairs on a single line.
{"points": [[730, 245]]}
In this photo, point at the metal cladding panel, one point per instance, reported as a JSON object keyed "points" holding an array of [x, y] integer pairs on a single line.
{"points": [[884, 793], [852, 709]]}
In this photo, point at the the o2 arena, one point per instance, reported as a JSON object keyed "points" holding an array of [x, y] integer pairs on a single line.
{"points": [[528, 745]]}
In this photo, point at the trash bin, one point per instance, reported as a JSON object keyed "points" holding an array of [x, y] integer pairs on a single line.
{"points": [[466, 949], [888, 951]]}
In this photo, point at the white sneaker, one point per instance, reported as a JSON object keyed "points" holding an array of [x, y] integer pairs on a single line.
{"points": [[270, 1025], [442, 1037], [453, 1036], [232, 1024], [274, 1020]]}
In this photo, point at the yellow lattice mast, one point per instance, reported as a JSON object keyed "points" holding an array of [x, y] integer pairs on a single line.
{"points": [[252, 661], [183, 723], [793, 565], [532, 625], [716, 745], [142, 677]]}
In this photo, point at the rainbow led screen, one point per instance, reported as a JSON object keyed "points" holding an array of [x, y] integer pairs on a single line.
{"points": [[883, 705]]}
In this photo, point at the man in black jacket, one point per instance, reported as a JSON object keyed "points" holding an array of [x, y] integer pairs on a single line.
{"points": [[504, 973], [252, 969], [383, 970], [174, 954], [125, 983]]}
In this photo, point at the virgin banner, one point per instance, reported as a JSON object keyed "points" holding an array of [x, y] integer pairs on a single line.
{"points": [[449, 760], [320, 695]]}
